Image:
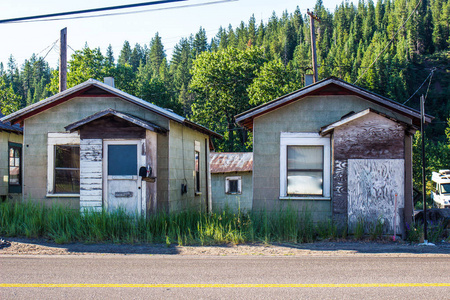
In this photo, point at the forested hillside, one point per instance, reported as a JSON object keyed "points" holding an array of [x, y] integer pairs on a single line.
{"points": [[211, 79]]}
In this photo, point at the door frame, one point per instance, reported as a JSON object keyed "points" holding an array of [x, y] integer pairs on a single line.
{"points": [[140, 162]]}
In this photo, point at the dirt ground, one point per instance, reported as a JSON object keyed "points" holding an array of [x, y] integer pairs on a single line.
{"points": [[20, 246]]}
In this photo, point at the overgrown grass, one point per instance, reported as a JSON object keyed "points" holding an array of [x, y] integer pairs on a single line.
{"points": [[65, 225], [436, 232]]}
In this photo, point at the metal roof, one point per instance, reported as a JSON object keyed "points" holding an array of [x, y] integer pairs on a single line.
{"points": [[226, 162], [6, 126], [351, 117], [111, 112], [82, 87], [245, 119]]}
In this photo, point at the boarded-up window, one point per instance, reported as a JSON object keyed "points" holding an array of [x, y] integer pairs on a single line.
{"points": [[67, 169], [304, 170]]}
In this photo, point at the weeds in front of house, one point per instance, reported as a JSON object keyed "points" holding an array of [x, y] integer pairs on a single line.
{"points": [[359, 230], [436, 232], [376, 229], [64, 225]]}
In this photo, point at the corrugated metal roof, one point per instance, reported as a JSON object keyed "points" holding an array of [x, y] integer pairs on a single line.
{"points": [[226, 162], [8, 127]]}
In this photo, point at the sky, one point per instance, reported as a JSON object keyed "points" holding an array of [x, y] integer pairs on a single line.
{"points": [[172, 22]]}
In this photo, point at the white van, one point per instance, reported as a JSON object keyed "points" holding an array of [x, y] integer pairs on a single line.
{"points": [[441, 188]]}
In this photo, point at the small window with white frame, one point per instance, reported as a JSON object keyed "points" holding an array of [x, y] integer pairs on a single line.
{"points": [[305, 166], [63, 169], [233, 185]]}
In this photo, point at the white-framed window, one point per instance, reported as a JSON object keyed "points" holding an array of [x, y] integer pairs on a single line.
{"points": [[305, 166], [63, 167], [233, 185]]}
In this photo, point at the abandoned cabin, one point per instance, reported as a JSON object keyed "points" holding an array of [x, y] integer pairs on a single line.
{"points": [[96, 147], [231, 181], [11, 138], [336, 151]]}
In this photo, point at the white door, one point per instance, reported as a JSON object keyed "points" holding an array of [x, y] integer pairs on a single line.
{"points": [[120, 175]]}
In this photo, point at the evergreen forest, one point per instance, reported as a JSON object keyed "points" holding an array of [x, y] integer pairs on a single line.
{"points": [[399, 49]]}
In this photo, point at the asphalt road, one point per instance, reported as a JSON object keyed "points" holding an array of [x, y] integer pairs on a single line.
{"points": [[237, 277]]}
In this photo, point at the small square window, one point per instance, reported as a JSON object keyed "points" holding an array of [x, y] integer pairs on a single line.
{"points": [[233, 185]]}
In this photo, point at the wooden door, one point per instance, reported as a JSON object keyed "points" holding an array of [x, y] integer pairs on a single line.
{"points": [[120, 175]]}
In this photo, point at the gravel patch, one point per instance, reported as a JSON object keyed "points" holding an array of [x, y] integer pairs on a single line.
{"points": [[20, 246]]}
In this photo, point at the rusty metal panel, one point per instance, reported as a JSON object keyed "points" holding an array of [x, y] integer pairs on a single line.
{"points": [[226, 162]]}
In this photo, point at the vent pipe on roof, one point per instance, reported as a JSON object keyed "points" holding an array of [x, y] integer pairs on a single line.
{"points": [[109, 81], [63, 60], [309, 79]]}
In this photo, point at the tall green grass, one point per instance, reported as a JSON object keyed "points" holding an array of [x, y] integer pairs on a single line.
{"points": [[64, 225]]}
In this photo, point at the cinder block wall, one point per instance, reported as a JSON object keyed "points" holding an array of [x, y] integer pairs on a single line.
{"points": [[221, 200], [306, 115], [181, 157], [54, 120]]}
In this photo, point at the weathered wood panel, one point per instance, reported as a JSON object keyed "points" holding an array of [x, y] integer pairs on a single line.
{"points": [[111, 127], [372, 136], [372, 185], [91, 174], [151, 156], [340, 191]]}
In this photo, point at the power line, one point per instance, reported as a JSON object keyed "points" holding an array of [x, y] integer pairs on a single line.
{"points": [[390, 42], [431, 74], [76, 12], [127, 13], [53, 46]]}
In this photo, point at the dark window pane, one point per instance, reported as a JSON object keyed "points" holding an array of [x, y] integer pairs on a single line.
{"points": [[67, 156], [122, 160], [67, 181], [14, 165], [233, 186]]}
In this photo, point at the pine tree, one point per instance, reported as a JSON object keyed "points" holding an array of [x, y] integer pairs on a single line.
{"points": [[125, 54]]}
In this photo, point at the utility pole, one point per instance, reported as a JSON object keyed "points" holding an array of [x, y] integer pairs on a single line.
{"points": [[63, 60], [313, 17], [424, 188]]}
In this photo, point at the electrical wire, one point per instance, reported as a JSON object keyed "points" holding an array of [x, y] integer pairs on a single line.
{"points": [[53, 46], [123, 13], [431, 74], [84, 11], [390, 42]]}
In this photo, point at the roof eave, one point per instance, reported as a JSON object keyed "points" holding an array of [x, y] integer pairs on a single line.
{"points": [[245, 119]]}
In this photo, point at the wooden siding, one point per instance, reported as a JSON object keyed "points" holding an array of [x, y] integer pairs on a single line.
{"points": [[91, 174], [373, 146], [111, 127], [340, 191], [372, 136], [150, 188]]}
